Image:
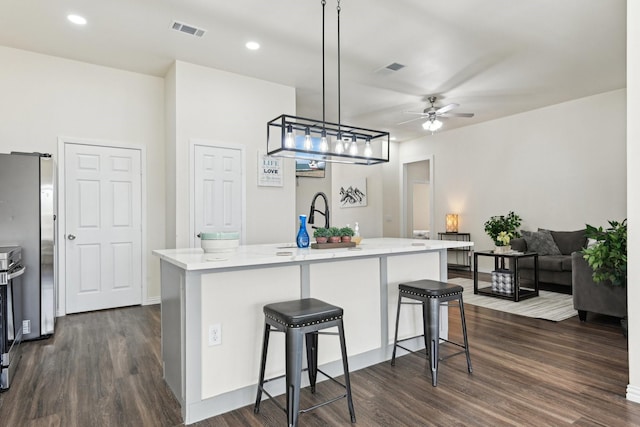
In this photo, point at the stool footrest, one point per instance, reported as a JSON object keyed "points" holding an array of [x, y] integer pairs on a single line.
{"points": [[311, 408], [302, 411]]}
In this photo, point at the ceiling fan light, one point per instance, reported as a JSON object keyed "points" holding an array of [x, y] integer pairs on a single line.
{"points": [[432, 125]]}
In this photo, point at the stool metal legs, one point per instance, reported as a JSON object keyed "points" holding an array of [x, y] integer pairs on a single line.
{"points": [[293, 368], [464, 334], [263, 363], [431, 328], [293, 354], [312, 358], [395, 337], [345, 366], [431, 325]]}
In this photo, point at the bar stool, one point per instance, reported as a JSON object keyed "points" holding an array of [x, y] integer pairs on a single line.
{"points": [[297, 319], [431, 295]]}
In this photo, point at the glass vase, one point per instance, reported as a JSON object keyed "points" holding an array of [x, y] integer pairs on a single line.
{"points": [[302, 240]]}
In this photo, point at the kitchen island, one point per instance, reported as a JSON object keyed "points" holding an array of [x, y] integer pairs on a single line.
{"points": [[212, 319]]}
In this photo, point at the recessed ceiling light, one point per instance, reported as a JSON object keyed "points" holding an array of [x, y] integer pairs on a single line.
{"points": [[252, 45], [77, 19]]}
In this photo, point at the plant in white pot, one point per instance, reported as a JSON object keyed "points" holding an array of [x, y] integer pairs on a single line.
{"points": [[503, 228]]}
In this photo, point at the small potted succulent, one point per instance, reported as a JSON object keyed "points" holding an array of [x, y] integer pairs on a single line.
{"points": [[334, 235], [346, 234], [321, 235]]}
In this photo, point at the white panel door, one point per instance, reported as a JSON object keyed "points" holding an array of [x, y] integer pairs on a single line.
{"points": [[217, 190], [103, 225]]}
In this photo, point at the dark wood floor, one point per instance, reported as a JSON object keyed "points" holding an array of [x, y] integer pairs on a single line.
{"points": [[104, 369]]}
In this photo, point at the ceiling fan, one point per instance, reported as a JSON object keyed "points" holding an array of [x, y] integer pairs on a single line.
{"points": [[432, 113]]}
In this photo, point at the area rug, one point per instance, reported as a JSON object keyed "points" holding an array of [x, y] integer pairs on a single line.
{"points": [[549, 305]]}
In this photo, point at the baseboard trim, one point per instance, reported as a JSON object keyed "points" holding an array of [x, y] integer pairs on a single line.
{"points": [[633, 393], [151, 301]]}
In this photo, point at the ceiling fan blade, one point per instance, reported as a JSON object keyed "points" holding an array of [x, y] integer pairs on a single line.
{"points": [[421, 113], [411, 120], [446, 108], [456, 115]]}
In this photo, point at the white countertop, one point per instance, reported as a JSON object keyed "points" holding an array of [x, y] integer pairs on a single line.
{"points": [[254, 255]]}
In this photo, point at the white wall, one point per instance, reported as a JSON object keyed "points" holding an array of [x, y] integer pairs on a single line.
{"points": [[391, 195], [232, 109], [633, 182], [43, 97], [306, 188], [170, 150], [369, 217], [558, 167]]}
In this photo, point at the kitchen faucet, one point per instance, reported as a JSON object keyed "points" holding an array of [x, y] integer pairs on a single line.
{"points": [[314, 210]]}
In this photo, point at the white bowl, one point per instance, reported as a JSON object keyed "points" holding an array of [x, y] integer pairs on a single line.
{"points": [[219, 245], [221, 241]]}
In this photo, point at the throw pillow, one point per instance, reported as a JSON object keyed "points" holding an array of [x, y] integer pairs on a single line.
{"points": [[570, 241], [541, 242]]}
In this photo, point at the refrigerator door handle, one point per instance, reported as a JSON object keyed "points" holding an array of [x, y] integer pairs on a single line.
{"points": [[16, 273], [71, 237]]}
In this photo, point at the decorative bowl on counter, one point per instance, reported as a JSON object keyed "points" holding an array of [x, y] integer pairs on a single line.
{"points": [[222, 241]]}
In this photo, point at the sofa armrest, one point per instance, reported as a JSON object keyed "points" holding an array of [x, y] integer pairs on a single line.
{"points": [[602, 298], [519, 244]]}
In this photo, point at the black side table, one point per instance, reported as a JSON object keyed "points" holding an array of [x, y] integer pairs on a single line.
{"points": [[518, 293]]}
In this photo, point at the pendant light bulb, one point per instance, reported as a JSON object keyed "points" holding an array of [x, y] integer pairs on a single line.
{"points": [[290, 139], [324, 145], [353, 150], [308, 145], [368, 152], [339, 145]]}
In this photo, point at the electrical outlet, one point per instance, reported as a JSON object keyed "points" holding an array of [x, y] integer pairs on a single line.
{"points": [[26, 326], [215, 334]]}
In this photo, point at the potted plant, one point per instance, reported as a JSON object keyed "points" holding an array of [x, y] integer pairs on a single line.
{"points": [[321, 235], [607, 256], [346, 234], [502, 229], [334, 235]]}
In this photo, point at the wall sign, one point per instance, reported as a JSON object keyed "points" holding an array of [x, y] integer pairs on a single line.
{"points": [[270, 171]]}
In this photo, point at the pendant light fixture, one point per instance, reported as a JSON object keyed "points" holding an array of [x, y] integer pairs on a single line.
{"points": [[320, 140]]}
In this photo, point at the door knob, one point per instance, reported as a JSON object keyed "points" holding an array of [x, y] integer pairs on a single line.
{"points": [[198, 235], [71, 237]]}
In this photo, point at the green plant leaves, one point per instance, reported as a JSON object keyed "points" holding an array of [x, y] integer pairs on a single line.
{"points": [[498, 224], [608, 257]]}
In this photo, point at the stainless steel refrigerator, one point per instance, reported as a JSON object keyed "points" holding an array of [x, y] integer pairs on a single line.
{"points": [[27, 219]]}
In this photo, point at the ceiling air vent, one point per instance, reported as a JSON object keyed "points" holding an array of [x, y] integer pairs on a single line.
{"points": [[389, 69], [394, 66], [188, 29]]}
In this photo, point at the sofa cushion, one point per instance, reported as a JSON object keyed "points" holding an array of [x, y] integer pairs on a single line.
{"points": [[541, 242], [570, 241], [547, 262]]}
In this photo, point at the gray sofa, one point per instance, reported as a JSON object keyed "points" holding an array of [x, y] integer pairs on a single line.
{"points": [[588, 296], [554, 261]]}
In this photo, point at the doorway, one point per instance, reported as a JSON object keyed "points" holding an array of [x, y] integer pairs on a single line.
{"points": [[418, 207]]}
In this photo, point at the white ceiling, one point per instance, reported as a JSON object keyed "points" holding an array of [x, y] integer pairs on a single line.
{"points": [[493, 57]]}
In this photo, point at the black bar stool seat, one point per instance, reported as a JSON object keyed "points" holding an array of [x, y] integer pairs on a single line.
{"points": [[431, 294], [297, 319]]}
